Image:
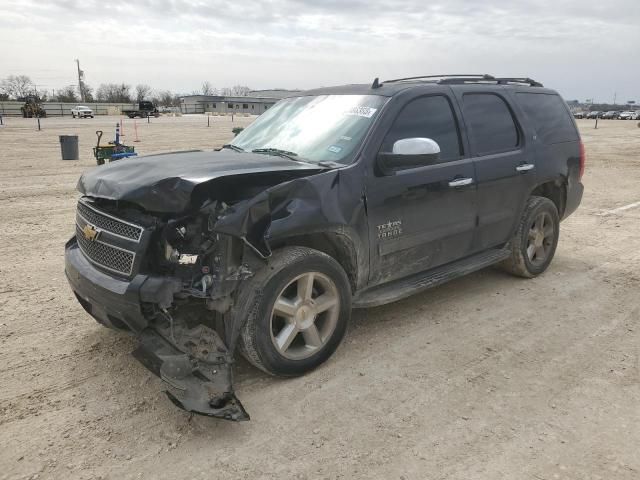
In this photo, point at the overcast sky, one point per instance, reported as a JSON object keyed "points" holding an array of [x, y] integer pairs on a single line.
{"points": [[583, 48]]}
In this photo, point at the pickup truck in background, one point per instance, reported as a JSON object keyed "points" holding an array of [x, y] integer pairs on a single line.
{"points": [[142, 109]]}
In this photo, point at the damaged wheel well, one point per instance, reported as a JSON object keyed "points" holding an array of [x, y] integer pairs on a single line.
{"points": [[336, 245]]}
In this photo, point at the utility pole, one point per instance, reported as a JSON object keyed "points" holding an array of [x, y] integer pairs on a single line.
{"points": [[615, 95], [80, 83]]}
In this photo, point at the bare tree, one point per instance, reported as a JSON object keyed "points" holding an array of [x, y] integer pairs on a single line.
{"points": [[207, 89], [114, 93], [168, 99], [17, 86], [142, 91], [240, 91], [67, 94]]}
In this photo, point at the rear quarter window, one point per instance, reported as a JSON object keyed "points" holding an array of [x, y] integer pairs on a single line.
{"points": [[550, 117]]}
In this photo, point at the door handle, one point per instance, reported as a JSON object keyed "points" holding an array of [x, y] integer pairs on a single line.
{"points": [[460, 182], [525, 167]]}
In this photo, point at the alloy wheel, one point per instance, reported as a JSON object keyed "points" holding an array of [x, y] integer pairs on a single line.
{"points": [[540, 239], [304, 315]]}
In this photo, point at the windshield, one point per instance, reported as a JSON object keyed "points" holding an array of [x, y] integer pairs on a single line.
{"points": [[313, 128]]}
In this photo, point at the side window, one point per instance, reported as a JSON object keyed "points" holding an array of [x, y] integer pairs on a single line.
{"points": [[428, 117], [549, 115], [491, 125]]}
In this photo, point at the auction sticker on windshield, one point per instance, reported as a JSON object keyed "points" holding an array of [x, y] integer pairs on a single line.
{"points": [[366, 112]]}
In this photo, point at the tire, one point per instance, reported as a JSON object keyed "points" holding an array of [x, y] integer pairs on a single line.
{"points": [[306, 337], [73, 115], [532, 252]]}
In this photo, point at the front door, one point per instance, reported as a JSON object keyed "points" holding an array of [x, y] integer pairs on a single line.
{"points": [[422, 217]]}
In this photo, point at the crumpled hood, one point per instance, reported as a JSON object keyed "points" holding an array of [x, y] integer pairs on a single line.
{"points": [[164, 183]]}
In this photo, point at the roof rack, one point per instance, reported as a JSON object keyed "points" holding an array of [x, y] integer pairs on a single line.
{"points": [[453, 79]]}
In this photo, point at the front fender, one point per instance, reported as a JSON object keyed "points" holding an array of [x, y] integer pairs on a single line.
{"points": [[328, 202]]}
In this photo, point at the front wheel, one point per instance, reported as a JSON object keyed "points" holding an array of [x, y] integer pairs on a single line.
{"points": [[297, 309], [534, 243]]}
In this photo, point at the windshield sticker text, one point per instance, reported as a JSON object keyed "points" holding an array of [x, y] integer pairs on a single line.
{"points": [[334, 149], [366, 112]]}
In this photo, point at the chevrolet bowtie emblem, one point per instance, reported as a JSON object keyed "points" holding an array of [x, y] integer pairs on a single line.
{"points": [[90, 232]]}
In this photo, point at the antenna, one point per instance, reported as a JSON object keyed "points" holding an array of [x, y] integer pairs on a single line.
{"points": [[376, 83]]}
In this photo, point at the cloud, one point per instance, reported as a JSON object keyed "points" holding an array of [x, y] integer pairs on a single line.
{"points": [[573, 45]]}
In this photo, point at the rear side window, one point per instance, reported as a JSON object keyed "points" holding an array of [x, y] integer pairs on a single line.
{"points": [[550, 117], [427, 117], [491, 124]]}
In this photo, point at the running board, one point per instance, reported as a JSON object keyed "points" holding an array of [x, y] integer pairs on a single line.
{"points": [[405, 287]]}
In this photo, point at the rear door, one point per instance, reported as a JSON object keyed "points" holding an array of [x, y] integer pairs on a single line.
{"points": [[505, 170]]}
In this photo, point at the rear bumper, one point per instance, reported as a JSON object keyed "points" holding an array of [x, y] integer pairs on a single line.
{"points": [[574, 197]]}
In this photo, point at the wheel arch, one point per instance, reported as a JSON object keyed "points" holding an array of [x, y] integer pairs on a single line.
{"points": [[337, 244], [556, 191]]}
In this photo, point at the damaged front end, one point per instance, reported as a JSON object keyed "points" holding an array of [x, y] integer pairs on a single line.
{"points": [[171, 282], [191, 344], [164, 256], [196, 365]]}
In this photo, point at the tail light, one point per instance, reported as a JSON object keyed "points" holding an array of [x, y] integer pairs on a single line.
{"points": [[583, 158]]}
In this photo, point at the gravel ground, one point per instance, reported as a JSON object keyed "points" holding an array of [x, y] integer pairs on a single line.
{"points": [[487, 377]]}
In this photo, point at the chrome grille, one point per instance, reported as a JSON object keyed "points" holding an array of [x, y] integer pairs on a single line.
{"points": [[106, 256], [106, 241], [106, 222]]}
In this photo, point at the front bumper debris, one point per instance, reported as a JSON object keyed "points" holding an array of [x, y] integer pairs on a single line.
{"points": [[196, 366], [194, 362]]}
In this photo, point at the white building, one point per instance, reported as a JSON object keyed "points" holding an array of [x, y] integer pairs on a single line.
{"points": [[257, 102]]}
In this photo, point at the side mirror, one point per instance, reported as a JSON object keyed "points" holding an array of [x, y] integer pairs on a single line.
{"points": [[409, 153]]}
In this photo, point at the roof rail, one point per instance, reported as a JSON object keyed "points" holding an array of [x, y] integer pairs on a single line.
{"points": [[457, 79], [527, 81], [429, 77]]}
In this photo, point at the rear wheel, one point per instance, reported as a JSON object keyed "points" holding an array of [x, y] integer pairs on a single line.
{"points": [[534, 243], [297, 309]]}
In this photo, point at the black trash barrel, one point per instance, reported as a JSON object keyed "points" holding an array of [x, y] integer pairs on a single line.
{"points": [[69, 147]]}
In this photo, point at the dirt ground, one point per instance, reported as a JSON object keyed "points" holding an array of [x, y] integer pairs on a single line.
{"points": [[487, 377]]}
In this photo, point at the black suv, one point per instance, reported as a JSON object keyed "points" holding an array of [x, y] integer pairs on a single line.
{"points": [[335, 198]]}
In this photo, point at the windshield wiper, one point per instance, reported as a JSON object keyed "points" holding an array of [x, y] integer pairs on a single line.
{"points": [[330, 164], [233, 147], [278, 152]]}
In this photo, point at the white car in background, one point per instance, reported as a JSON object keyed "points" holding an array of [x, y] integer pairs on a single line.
{"points": [[628, 115], [81, 111]]}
